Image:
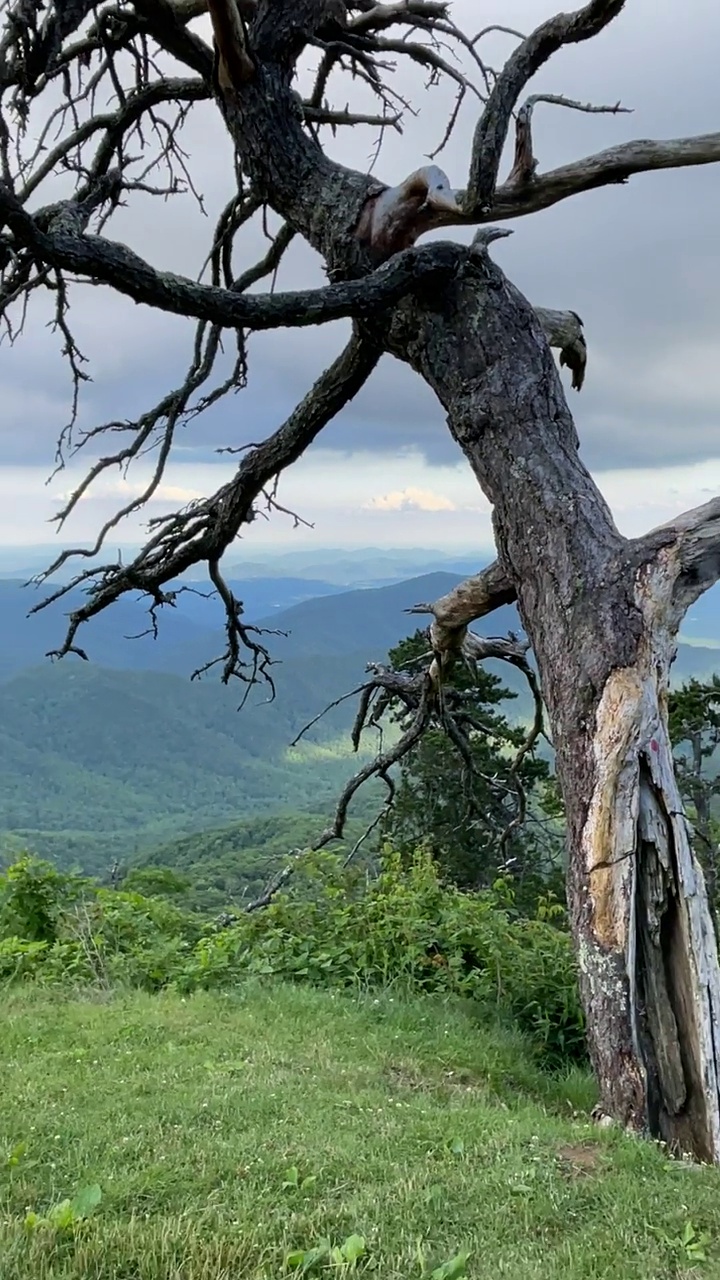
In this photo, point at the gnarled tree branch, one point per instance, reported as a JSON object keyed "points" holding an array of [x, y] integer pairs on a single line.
{"points": [[205, 530], [468, 601], [605, 168], [492, 128], [688, 548], [525, 163], [109, 262]]}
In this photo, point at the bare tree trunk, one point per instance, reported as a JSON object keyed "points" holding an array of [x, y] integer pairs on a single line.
{"points": [[599, 613], [640, 916]]}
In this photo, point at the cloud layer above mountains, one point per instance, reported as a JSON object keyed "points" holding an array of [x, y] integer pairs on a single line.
{"points": [[640, 263]]}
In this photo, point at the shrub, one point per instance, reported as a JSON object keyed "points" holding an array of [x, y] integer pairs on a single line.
{"points": [[57, 928], [406, 928], [332, 927], [126, 939], [19, 958], [33, 896]]}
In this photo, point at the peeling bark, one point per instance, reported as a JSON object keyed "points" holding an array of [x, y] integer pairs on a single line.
{"points": [[643, 923]]}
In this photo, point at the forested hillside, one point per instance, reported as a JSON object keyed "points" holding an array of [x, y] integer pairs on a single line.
{"points": [[98, 763], [109, 759], [225, 865]]}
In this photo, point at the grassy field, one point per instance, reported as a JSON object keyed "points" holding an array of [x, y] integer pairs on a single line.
{"points": [[229, 1136]]}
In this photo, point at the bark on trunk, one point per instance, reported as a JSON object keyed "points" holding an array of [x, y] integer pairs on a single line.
{"points": [[601, 625], [641, 918], [700, 794]]}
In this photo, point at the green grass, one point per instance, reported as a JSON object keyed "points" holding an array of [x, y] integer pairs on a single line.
{"points": [[417, 1127]]}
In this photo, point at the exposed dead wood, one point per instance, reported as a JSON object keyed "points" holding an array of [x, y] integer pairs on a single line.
{"points": [[525, 163], [564, 329], [647, 925], [233, 65]]}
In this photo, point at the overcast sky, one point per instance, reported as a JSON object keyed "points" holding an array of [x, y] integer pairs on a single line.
{"points": [[640, 264]]}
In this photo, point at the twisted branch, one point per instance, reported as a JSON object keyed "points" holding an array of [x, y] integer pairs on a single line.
{"points": [[525, 164], [108, 262], [204, 530], [492, 127]]}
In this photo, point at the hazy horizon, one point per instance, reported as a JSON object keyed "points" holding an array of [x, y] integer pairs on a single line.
{"points": [[15, 556]]}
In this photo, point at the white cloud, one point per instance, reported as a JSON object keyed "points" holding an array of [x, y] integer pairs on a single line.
{"points": [[410, 500], [361, 499]]}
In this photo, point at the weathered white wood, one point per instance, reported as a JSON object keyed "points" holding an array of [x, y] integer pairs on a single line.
{"points": [[635, 801]]}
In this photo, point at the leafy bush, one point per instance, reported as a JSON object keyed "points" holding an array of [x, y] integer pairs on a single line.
{"points": [[19, 958], [58, 928], [33, 896], [332, 927], [406, 928]]}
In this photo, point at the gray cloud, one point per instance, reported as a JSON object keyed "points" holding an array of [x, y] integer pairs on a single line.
{"points": [[638, 262]]}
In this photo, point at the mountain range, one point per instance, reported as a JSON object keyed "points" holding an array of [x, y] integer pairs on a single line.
{"points": [[109, 757]]}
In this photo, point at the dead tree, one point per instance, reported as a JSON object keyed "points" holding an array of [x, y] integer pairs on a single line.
{"points": [[601, 611]]}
